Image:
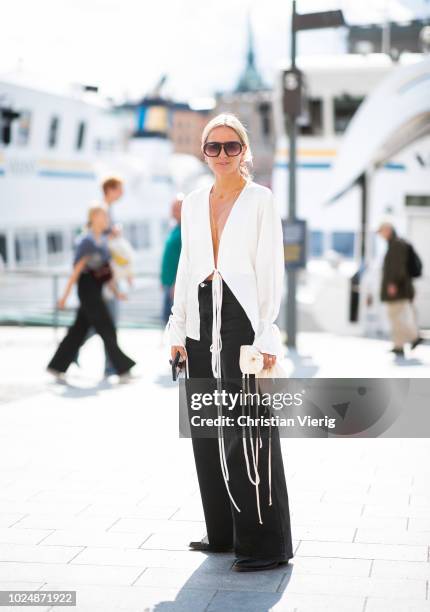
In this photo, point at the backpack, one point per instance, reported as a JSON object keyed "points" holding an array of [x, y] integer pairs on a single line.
{"points": [[414, 265]]}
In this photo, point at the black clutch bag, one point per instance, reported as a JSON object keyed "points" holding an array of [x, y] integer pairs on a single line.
{"points": [[102, 274]]}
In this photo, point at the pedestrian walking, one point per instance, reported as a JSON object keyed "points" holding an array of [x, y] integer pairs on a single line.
{"points": [[227, 294], [170, 258], [401, 264], [91, 272], [113, 190]]}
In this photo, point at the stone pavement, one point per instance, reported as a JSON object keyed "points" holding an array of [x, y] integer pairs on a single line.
{"points": [[99, 495]]}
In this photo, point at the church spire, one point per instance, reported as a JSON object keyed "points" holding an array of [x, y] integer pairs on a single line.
{"points": [[250, 79]]}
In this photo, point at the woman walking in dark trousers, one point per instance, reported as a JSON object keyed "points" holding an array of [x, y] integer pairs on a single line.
{"points": [[227, 294], [91, 271]]}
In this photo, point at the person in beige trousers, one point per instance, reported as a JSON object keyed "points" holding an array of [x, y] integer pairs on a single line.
{"points": [[397, 291]]}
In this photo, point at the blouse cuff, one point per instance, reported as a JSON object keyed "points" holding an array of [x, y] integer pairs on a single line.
{"points": [[174, 333], [268, 340]]}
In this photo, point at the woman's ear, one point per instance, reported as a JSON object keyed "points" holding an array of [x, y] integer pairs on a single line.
{"points": [[242, 159]]}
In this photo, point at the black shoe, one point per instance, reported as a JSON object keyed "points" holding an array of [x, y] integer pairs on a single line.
{"points": [[256, 565], [204, 546], [399, 352], [60, 377], [416, 342]]}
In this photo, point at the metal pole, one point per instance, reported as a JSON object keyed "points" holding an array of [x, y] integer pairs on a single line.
{"points": [[386, 31], [363, 217], [55, 297], [292, 128]]}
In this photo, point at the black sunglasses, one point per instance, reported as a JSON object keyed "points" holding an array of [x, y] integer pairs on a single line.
{"points": [[232, 148]]}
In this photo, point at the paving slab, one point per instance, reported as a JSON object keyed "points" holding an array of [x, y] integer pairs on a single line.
{"points": [[99, 495]]}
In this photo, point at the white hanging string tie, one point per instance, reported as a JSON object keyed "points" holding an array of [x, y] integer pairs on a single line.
{"points": [[251, 362], [216, 345], [254, 452], [215, 349]]}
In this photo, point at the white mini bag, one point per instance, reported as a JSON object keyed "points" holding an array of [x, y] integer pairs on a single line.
{"points": [[251, 362]]}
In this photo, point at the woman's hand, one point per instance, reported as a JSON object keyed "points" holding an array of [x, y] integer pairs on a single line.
{"points": [[392, 289], [182, 351], [77, 270], [269, 360], [61, 304]]}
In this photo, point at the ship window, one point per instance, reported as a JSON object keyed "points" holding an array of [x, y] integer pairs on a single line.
{"points": [[311, 123], [23, 128], [145, 235], [164, 228], [343, 243], [265, 110], [129, 233], [422, 200], [3, 249], [76, 234], [139, 235], [26, 247], [54, 125], [316, 243], [80, 136], [54, 242], [344, 110]]}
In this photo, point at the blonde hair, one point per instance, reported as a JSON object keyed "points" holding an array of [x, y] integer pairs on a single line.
{"points": [[232, 121], [94, 208]]}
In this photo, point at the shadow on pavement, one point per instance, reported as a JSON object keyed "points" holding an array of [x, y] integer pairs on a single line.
{"points": [[165, 380], [404, 361], [234, 591], [304, 366], [69, 390]]}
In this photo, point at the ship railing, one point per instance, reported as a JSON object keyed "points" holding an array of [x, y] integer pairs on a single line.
{"points": [[29, 296]]}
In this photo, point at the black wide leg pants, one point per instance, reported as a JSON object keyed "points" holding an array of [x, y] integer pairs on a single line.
{"points": [[92, 312], [225, 525]]}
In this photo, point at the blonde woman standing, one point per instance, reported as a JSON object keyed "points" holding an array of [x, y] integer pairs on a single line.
{"points": [[227, 294]]}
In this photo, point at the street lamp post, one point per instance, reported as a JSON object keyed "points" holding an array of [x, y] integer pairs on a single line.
{"points": [[291, 271], [292, 104]]}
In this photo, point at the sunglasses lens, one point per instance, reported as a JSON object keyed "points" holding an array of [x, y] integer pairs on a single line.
{"points": [[232, 148], [212, 149]]}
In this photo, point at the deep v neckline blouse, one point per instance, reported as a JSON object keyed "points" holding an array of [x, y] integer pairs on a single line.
{"points": [[214, 227]]}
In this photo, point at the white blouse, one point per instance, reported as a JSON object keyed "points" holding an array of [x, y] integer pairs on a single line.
{"points": [[250, 260]]}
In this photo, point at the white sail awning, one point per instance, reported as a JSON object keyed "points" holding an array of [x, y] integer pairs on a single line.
{"points": [[393, 116]]}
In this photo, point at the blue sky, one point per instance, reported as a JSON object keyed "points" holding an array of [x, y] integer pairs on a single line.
{"points": [[125, 45]]}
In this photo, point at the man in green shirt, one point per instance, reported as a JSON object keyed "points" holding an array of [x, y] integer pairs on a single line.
{"points": [[170, 260]]}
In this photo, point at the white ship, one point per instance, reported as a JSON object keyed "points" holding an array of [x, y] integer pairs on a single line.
{"points": [[399, 189], [61, 146]]}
